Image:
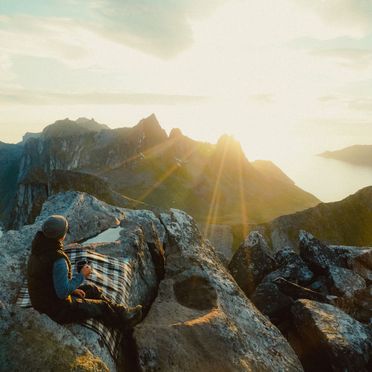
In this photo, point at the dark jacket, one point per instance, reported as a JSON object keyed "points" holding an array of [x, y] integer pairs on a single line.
{"points": [[44, 253]]}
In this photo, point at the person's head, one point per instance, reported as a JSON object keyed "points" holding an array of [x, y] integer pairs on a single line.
{"points": [[55, 227]]}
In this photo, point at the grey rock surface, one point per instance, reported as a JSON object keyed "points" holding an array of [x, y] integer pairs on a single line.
{"points": [[251, 262], [221, 237], [332, 339], [201, 320], [33, 342], [318, 255], [362, 264], [271, 301], [344, 282], [142, 237], [293, 267]]}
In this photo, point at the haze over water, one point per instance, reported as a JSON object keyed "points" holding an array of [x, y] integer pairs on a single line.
{"points": [[329, 180]]}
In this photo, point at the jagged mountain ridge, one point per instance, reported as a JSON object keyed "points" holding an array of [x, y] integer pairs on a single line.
{"points": [[214, 183], [10, 156], [357, 154]]}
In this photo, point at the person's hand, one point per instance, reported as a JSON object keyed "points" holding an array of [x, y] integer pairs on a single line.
{"points": [[86, 271], [79, 292]]}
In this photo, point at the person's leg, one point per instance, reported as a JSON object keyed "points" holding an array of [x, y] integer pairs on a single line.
{"points": [[92, 291], [111, 314]]}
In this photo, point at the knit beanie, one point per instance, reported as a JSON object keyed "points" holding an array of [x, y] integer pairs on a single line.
{"points": [[55, 227]]}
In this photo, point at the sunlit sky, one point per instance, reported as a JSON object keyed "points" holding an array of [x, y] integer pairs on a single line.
{"points": [[282, 76]]}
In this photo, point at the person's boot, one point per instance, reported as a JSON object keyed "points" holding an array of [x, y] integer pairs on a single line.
{"points": [[129, 316]]}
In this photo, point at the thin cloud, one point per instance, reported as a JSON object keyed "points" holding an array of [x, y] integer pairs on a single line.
{"points": [[348, 57], [354, 17], [52, 98], [158, 27]]}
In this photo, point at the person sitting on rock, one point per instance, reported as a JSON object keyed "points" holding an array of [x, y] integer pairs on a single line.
{"points": [[54, 291]]}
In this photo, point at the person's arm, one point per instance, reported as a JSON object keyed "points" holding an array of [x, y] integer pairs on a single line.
{"points": [[62, 285]]}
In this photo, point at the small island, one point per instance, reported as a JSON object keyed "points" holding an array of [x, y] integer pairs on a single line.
{"points": [[357, 154]]}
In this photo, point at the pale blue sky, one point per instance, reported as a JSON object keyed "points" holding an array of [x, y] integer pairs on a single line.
{"points": [[266, 71]]}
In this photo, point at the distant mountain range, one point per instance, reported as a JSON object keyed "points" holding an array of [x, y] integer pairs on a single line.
{"points": [[357, 154], [142, 165]]}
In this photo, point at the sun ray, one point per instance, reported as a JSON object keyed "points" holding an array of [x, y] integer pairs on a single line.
{"points": [[213, 208], [152, 151], [166, 175], [243, 208]]}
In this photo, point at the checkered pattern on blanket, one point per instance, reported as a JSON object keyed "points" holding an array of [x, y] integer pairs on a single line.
{"points": [[110, 274]]}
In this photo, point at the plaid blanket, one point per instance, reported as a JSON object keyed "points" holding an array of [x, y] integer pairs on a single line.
{"points": [[112, 275]]}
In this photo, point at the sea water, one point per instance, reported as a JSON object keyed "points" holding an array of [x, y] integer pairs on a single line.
{"points": [[107, 236], [328, 179]]}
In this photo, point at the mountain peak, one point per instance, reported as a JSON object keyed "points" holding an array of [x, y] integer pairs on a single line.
{"points": [[230, 147], [151, 120], [67, 127], [152, 129], [175, 133], [90, 124]]}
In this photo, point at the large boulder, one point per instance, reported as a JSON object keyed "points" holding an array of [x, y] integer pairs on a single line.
{"points": [[143, 251], [330, 339], [87, 215], [251, 262], [140, 242], [201, 320]]}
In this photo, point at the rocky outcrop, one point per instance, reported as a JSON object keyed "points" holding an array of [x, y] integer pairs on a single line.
{"points": [[197, 304], [346, 222], [200, 319], [196, 316], [322, 292], [331, 339], [141, 244]]}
